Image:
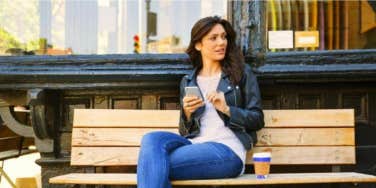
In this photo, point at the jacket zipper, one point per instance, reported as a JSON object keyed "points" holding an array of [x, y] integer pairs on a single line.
{"points": [[236, 101]]}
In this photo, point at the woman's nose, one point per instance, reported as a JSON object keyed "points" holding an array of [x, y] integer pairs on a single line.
{"points": [[221, 41]]}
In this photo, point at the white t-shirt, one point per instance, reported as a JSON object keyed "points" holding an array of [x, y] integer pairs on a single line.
{"points": [[212, 127]]}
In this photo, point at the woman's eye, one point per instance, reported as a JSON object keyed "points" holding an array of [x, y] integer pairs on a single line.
{"points": [[212, 38]]}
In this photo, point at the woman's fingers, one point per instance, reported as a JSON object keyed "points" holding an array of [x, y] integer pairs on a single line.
{"points": [[189, 98], [192, 103], [195, 102], [214, 96], [210, 96], [193, 108]]}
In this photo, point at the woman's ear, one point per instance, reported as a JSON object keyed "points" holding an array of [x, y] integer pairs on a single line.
{"points": [[198, 46]]}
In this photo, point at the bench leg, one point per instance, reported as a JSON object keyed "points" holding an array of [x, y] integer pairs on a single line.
{"points": [[336, 168]]}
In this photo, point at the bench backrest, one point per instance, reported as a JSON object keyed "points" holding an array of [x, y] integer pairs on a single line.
{"points": [[103, 137]]}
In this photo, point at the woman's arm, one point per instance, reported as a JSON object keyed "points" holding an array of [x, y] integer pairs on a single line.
{"points": [[251, 116], [184, 123]]}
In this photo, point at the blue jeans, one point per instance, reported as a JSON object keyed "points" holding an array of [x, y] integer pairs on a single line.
{"points": [[164, 156]]}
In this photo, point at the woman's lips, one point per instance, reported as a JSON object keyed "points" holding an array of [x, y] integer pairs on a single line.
{"points": [[221, 51]]}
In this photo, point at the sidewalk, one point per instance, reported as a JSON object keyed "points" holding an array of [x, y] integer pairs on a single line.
{"points": [[23, 166]]}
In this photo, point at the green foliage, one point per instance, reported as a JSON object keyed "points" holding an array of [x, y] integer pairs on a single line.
{"points": [[32, 45], [19, 25], [7, 41]]}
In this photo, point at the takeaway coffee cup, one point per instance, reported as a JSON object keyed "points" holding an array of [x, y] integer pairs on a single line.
{"points": [[261, 162]]}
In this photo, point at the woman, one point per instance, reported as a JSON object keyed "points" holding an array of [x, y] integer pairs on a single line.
{"points": [[215, 132]]}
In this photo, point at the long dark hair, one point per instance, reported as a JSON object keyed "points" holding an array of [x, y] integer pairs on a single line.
{"points": [[233, 63]]}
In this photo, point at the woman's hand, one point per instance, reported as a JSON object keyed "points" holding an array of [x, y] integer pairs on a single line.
{"points": [[219, 102], [191, 104]]}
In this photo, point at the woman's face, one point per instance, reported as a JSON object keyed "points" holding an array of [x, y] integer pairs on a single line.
{"points": [[213, 45]]}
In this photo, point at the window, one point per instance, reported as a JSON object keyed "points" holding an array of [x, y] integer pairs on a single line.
{"points": [[307, 25], [58, 27]]}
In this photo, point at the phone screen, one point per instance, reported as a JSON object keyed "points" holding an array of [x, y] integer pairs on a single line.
{"points": [[193, 91]]}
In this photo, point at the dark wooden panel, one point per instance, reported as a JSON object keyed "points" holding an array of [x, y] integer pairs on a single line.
{"points": [[5, 131], [101, 101], [169, 103], [125, 102], [11, 141], [288, 100], [69, 104], [365, 135], [372, 108], [358, 102], [270, 102], [330, 100], [366, 160], [309, 102]]}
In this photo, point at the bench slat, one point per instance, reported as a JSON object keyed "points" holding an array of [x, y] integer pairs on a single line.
{"points": [[247, 179], [266, 137], [125, 118], [170, 118], [306, 137], [310, 118], [122, 156]]}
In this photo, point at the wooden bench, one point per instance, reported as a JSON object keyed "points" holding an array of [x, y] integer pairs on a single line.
{"points": [[103, 137]]}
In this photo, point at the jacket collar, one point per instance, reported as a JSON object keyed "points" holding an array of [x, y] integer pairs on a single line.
{"points": [[224, 84], [192, 74]]}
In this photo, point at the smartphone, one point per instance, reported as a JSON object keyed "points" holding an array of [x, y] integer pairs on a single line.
{"points": [[193, 91]]}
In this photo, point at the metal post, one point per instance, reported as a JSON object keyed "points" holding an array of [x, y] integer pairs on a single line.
{"points": [[147, 25]]}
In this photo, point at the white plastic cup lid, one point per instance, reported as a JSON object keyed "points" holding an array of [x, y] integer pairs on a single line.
{"points": [[262, 155]]}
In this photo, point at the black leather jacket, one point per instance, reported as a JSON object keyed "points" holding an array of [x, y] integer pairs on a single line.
{"points": [[244, 102]]}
